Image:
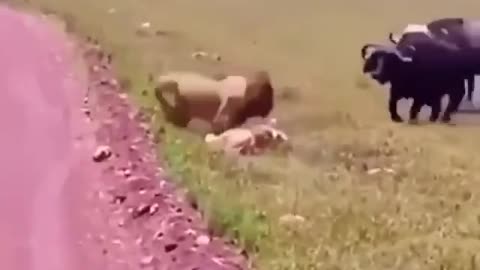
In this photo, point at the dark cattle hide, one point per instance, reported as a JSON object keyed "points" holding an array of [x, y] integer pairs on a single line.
{"points": [[408, 70], [459, 32]]}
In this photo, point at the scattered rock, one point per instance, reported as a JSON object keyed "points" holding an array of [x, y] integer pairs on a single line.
{"points": [[100, 195], [113, 82], [153, 209], [199, 54], [374, 171], [202, 240], [86, 111], [141, 210], [143, 30], [158, 234], [145, 25], [291, 219], [118, 199], [190, 232], [102, 153], [123, 96], [147, 260], [170, 247], [377, 170], [389, 170], [117, 242], [126, 172], [133, 148]]}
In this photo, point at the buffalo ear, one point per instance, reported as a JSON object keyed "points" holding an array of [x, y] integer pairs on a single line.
{"points": [[368, 50]]}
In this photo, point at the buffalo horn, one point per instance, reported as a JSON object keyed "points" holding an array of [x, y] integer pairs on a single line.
{"points": [[393, 38], [394, 50], [366, 47]]}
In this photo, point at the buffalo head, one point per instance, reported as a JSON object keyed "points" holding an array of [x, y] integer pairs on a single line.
{"points": [[380, 61]]}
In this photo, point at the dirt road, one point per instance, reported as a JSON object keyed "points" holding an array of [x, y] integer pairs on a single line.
{"points": [[59, 209], [39, 119]]}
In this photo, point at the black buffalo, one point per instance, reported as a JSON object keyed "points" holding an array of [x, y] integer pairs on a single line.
{"points": [[414, 70], [465, 34]]}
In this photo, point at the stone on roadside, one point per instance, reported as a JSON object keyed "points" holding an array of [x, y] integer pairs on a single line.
{"points": [[102, 153], [202, 240], [147, 260]]}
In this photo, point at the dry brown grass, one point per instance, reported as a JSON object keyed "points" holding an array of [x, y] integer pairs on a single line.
{"points": [[424, 215]]}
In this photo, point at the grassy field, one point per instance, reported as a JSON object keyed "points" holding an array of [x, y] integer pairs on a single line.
{"points": [[422, 212]]}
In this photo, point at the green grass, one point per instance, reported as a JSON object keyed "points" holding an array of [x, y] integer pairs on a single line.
{"points": [[425, 215]]}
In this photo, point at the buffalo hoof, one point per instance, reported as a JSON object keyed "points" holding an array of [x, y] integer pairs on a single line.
{"points": [[446, 119], [448, 122], [413, 121], [397, 119], [433, 119]]}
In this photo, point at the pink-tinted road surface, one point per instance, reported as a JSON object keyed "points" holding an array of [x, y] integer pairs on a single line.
{"points": [[39, 119], [60, 210]]}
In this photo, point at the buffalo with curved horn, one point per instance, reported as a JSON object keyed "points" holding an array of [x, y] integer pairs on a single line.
{"points": [[408, 70]]}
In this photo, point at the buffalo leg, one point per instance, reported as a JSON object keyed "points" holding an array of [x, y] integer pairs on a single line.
{"points": [[455, 99], [392, 108], [414, 110], [470, 87], [436, 108]]}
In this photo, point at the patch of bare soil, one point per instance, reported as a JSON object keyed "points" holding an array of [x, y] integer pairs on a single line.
{"points": [[145, 223]]}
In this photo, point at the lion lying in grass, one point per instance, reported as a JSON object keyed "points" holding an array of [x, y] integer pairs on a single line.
{"points": [[222, 103]]}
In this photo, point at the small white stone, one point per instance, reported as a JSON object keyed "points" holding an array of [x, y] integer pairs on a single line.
{"points": [[127, 172], [202, 240], [153, 208], [147, 260], [291, 219], [123, 96], [117, 242], [145, 25], [389, 170], [373, 171], [199, 54], [102, 153], [113, 82]]}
